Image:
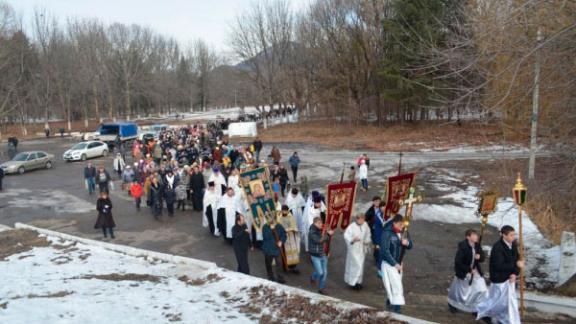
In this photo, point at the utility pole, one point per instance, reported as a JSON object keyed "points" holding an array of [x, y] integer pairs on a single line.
{"points": [[535, 101]]}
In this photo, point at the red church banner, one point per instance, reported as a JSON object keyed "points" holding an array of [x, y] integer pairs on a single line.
{"points": [[397, 188], [340, 204]]}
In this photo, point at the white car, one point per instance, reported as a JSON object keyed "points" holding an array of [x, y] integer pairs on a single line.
{"points": [[86, 150]]}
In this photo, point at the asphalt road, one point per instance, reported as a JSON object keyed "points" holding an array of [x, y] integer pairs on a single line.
{"points": [[56, 199]]}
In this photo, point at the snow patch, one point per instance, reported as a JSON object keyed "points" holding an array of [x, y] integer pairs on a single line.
{"points": [[57, 200]]}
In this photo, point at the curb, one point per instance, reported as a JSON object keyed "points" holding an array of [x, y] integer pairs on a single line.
{"points": [[191, 262], [128, 250], [551, 303]]}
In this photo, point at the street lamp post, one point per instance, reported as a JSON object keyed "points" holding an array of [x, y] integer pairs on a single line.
{"points": [[519, 192]]}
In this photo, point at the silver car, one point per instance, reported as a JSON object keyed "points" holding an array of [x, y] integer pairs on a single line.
{"points": [[26, 161]]}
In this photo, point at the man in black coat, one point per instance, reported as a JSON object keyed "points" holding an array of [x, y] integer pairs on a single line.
{"points": [[90, 177], [197, 187], [105, 220], [375, 219], [1, 178], [468, 288], [257, 148], [241, 244], [505, 265]]}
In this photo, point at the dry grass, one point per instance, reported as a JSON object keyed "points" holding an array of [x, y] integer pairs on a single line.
{"points": [[392, 137]]}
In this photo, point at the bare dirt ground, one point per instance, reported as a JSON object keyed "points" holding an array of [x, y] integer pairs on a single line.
{"points": [[18, 241], [406, 137]]}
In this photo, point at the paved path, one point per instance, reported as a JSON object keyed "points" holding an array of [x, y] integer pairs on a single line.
{"points": [[56, 199]]}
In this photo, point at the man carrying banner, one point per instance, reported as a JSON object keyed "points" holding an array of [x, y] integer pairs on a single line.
{"points": [[391, 250], [315, 207], [292, 245], [501, 305], [358, 241], [211, 203], [317, 239], [468, 288]]}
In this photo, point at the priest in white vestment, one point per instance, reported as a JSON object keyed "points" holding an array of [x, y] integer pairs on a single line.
{"points": [[211, 203], [230, 205], [219, 181], [358, 241], [296, 204]]}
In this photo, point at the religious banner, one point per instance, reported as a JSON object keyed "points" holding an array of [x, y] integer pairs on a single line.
{"points": [[340, 204], [397, 190], [257, 189]]}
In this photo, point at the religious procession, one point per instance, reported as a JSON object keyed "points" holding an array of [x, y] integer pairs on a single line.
{"points": [[250, 200]]}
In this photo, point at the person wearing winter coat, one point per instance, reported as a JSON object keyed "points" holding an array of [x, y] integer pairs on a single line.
{"points": [[283, 180], [181, 196], [155, 197], [128, 177], [501, 305], [170, 184], [103, 179], [1, 178], [241, 244], [90, 177], [119, 165], [274, 237], [105, 220], [316, 240], [294, 164], [257, 148], [363, 174], [468, 288], [276, 156], [391, 246], [197, 186], [136, 192]]}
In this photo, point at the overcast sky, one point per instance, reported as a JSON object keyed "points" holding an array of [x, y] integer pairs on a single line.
{"points": [[185, 20]]}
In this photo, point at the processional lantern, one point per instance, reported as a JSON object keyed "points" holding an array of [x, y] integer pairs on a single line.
{"points": [[519, 191]]}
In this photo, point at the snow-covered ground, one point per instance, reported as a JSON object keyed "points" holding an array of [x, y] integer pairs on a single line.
{"points": [[459, 205], [70, 282]]}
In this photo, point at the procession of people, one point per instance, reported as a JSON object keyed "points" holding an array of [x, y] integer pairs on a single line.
{"points": [[194, 166]]}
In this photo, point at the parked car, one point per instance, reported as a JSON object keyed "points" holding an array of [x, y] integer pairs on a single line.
{"points": [[26, 161], [86, 150], [147, 135]]}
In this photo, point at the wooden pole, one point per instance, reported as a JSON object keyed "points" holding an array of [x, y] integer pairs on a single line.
{"points": [[400, 164], [521, 252]]}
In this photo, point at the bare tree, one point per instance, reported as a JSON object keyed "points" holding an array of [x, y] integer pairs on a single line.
{"points": [[261, 38]]}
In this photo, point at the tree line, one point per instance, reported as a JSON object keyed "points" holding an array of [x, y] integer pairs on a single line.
{"points": [[352, 60], [84, 69]]}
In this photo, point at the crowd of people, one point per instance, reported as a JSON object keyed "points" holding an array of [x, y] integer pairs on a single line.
{"points": [[194, 166]]}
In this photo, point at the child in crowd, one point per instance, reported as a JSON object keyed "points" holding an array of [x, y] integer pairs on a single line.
{"points": [[181, 196], [136, 192]]}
